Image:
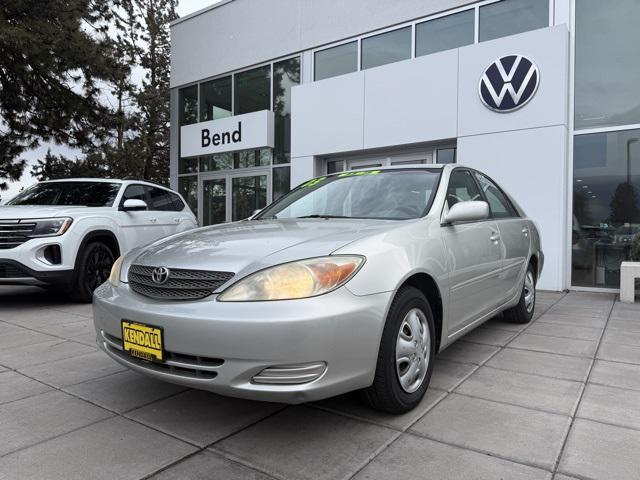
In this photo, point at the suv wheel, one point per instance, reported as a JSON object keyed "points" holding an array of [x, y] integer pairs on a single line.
{"points": [[523, 311], [93, 269], [405, 358]]}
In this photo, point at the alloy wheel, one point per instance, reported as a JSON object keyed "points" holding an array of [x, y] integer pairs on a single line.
{"points": [[98, 267]]}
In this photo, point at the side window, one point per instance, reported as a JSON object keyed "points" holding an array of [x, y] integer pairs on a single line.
{"points": [[499, 204], [134, 192], [462, 188], [160, 200], [178, 205]]}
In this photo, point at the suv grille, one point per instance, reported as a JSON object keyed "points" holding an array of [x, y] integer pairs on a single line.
{"points": [[8, 270], [14, 233], [181, 284]]}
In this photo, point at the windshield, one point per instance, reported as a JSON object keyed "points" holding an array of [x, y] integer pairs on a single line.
{"points": [[377, 194], [88, 194]]}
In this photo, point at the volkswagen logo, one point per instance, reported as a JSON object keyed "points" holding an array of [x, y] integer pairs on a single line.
{"points": [[160, 275], [509, 83]]}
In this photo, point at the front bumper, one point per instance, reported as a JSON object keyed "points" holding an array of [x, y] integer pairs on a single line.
{"points": [[16, 273], [221, 347]]}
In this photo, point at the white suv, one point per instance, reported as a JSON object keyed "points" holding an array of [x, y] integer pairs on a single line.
{"points": [[68, 233]]}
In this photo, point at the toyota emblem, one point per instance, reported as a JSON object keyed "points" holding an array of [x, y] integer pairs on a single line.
{"points": [[160, 275]]}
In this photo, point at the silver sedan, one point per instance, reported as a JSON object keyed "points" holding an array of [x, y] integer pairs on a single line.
{"points": [[351, 281]]}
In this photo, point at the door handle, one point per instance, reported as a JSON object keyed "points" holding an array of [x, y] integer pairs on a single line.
{"points": [[525, 231], [153, 220], [494, 237]]}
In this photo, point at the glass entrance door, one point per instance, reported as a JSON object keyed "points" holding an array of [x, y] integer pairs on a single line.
{"points": [[214, 200]]}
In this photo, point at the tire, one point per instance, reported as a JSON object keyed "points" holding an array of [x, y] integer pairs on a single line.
{"points": [[523, 311], [388, 392], [93, 269]]}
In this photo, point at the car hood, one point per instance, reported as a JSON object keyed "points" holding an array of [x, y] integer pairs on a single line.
{"points": [[14, 212], [248, 246]]}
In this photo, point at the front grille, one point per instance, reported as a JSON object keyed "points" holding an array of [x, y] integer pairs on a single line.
{"points": [[13, 234], [181, 285], [189, 366], [8, 270]]}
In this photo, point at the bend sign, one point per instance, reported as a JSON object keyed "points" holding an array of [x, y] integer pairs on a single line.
{"points": [[241, 132]]}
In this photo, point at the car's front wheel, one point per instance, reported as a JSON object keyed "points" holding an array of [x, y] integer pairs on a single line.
{"points": [[405, 358], [93, 269], [523, 311]]}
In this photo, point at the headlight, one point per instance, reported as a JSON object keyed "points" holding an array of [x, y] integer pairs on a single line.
{"points": [[301, 279], [50, 227], [114, 278]]}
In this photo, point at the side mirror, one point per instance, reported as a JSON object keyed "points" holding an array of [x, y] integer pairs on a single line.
{"points": [[133, 205], [471, 211]]}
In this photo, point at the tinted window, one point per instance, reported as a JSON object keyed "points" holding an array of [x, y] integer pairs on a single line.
{"points": [[159, 199], [386, 48], [134, 192], [286, 74], [89, 194], [281, 181], [462, 188], [336, 61], [253, 90], [498, 202], [188, 105], [188, 188], [215, 99], [509, 17], [444, 33]]}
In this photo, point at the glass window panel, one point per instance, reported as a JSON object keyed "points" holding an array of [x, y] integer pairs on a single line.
{"points": [[509, 17], [386, 48], [160, 200], [215, 99], [607, 79], [248, 195], [462, 188], [335, 166], [188, 105], [220, 161], [606, 206], [446, 155], [253, 158], [188, 188], [286, 74], [499, 204], [253, 90], [444, 33], [281, 181], [188, 165], [336, 61], [214, 201]]}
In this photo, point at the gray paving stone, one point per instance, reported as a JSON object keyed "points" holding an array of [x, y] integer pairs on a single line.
{"points": [[541, 363], [202, 417], [576, 320], [565, 346], [601, 452], [560, 476], [467, 352], [515, 433], [564, 331], [616, 374], [36, 317], [627, 325], [415, 458], [37, 418], [306, 443], [9, 328], [499, 323], [489, 336], [14, 386], [549, 297], [124, 391], [621, 337], [577, 311], [207, 465], [83, 309], [446, 375], [26, 355], [22, 337], [72, 329], [533, 391], [611, 405], [630, 315], [619, 353], [586, 297], [114, 448], [70, 371], [351, 405]]}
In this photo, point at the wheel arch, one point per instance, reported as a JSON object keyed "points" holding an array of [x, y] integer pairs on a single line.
{"points": [[105, 236]]}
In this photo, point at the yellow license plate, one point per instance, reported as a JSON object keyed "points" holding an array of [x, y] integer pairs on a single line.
{"points": [[142, 341]]}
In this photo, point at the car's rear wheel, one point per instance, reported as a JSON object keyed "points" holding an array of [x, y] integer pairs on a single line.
{"points": [[93, 269], [405, 358], [523, 311]]}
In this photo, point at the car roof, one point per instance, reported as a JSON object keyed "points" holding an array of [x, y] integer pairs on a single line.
{"points": [[106, 180]]}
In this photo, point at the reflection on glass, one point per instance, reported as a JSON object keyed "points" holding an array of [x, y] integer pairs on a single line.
{"points": [[220, 161], [249, 194], [281, 181], [607, 78], [214, 198], [444, 33], [188, 188], [335, 166], [253, 158], [286, 74], [253, 90], [386, 48], [509, 17], [446, 155], [606, 206], [336, 61], [188, 165], [188, 105], [215, 99]]}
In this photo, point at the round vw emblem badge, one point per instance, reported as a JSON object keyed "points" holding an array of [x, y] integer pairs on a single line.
{"points": [[509, 83], [160, 275]]}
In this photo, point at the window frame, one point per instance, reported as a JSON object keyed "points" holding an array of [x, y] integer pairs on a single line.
{"points": [[514, 213]]}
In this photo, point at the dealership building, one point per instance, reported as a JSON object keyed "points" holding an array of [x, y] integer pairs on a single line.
{"points": [[543, 95]]}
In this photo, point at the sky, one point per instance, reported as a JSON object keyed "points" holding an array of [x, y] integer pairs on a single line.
{"points": [[185, 7]]}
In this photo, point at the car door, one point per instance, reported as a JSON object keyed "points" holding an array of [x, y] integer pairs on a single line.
{"points": [[139, 226], [473, 253], [165, 218], [514, 235]]}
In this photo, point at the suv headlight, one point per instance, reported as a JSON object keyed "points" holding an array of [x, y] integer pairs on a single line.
{"points": [[301, 279], [50, 227]]}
